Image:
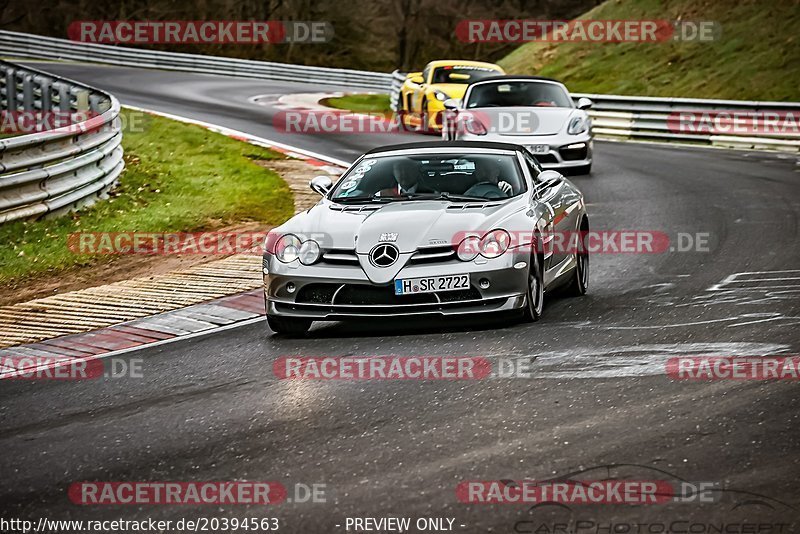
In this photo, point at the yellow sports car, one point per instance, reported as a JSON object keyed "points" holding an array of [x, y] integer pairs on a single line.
{"points": [[423, 93]]}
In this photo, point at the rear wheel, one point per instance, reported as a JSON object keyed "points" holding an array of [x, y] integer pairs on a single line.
{"points": [[534, 295], [580, 275], [292, 326]]}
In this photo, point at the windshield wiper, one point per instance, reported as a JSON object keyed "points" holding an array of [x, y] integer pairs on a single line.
{"points": [[366, 199]]}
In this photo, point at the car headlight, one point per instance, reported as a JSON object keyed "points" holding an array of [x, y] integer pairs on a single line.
{"points": [[577, 125], [469, 124], [495, 243], [287, 248], [309, 252], [441, 96], [469, 248], [492, 245]]}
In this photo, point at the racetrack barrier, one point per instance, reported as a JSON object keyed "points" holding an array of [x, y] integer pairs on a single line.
{"points": [[642, 118], [56, 170], [23, 45]]}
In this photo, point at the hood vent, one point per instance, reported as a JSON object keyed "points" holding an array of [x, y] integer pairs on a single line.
{"points": [[354, 209]]}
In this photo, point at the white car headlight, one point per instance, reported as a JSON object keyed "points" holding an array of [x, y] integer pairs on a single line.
{"points": [[287, 249], [441, 96], [577, 125], [469, 248], [309, 252], [495, 243]]}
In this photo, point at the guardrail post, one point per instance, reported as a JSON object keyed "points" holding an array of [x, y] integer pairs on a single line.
{"points": [[28, 103], [11, 90], [82, 100], [47, 98], [64, 97]]}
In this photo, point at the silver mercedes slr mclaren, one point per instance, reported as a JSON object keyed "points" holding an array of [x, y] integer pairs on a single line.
{"points": [[427, 229]]}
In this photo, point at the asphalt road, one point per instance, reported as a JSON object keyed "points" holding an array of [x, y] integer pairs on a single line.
{"points": [[210, 408]]}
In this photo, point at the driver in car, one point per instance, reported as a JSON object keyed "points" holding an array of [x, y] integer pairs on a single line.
{"points": [[406, 174], [489, 184]]}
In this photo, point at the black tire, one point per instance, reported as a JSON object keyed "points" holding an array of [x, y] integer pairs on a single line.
{"points": [[534, 291], [580, 275], [423, 116], [291, 326]]}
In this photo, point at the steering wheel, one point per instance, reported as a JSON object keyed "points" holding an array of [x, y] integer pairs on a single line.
{"points": [[485, 190]]}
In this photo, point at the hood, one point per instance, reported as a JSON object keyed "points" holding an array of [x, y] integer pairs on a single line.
{"points": [[453, 90], [417, 223], [521, 121]]}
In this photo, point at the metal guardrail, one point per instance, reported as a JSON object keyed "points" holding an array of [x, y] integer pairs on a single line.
{"points": [[654, 119], [58, 170], [22, 45]]}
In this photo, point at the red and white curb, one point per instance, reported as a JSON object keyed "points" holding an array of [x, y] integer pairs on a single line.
{"points": [[326, 163], [199, 319]]}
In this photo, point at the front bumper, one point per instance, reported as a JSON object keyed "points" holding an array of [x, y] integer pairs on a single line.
{"points": [[558, 156], [334, 292]]}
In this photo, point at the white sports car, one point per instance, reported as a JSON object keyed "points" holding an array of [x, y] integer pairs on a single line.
{"points": [[526, 110], [446, 228]]}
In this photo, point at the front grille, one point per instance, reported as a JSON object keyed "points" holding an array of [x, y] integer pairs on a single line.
{"points": [[460, 295], [434, 254], [336, 256], [361, 294], [316, 293], [369, 295], [546, 158], [574, 154]]}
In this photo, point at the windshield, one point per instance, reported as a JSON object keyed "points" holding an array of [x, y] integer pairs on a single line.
{"points": [[461, 74], [523, 93], [455, 177]]}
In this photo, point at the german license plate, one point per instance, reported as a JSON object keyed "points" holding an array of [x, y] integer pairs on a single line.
{"points": [[539, 149], [431, 284]]}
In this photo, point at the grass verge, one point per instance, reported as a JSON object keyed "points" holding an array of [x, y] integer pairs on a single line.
{"points": [[755, 58], [177, 178], [360, 103]]}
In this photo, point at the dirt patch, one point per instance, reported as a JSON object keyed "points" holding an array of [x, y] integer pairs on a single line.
{"points": [[296, 173], [116, 268]]}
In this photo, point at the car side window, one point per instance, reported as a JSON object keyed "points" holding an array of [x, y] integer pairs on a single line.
{"points": [[425, 73]]}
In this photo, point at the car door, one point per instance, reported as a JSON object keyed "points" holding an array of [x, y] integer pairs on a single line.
{"points": [[557, 199]]}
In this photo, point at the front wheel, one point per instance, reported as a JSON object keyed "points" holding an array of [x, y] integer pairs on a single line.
{"points": [[534, 294], [292, 326]]}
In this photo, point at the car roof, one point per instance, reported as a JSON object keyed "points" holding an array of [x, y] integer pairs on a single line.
{"points": [[446, 145], [465, 62], [509, 77]]}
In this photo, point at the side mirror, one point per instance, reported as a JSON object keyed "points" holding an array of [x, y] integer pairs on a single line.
{"points": [[452, 103], [416, 77], [550, 178], [321, 185], [585, 103]]}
